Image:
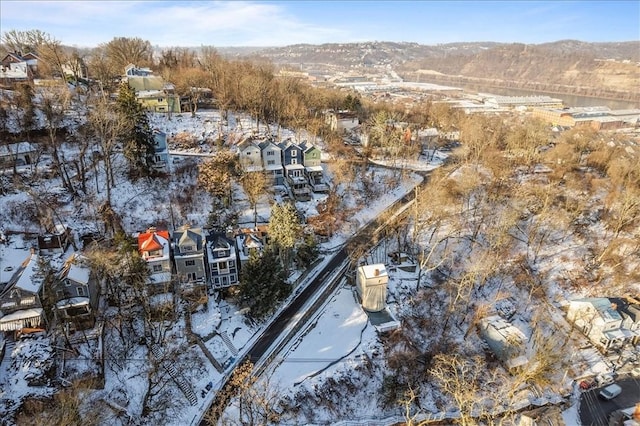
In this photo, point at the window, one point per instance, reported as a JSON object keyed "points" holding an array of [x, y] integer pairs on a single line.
{"points": [[155, 253], [160, 99], [67, 283], [232, 264], [187, 248], [80, 291], [294, 153], [60, 294], [157, 268], [190, 263], [271, 162], [294, 161], [191, 276], [270, 153], [216, 280], [232, 278], [222, 266]]}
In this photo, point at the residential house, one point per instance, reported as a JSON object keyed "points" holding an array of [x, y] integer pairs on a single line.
{"points": [[505, 340], [250, 155], [55, 242], [153, 246], [250, 240], [188, 255], [18, 154], [272, 161], [76, 293], [160, 161], [133, 71], [292, 163], [152, 91], [20, 302], [371, 285], [629, 310], [599, 319], [341, 121], [222, 261], [30, 60], [311, 158], [14, 73]]}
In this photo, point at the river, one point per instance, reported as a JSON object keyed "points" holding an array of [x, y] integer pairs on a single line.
{"points": [[568, 100]]}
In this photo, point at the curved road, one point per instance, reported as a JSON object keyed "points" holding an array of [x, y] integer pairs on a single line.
{"points": [[365, 237]]}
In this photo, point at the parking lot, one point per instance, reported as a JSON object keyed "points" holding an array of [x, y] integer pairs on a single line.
{"points": [[595, 411]]}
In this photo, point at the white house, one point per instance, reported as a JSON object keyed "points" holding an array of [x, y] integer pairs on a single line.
{"points": [[599, 319], [371, 285]]}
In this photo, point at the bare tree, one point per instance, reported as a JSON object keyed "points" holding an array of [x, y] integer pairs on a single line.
{"points": [[122, 51], [254, 185]]}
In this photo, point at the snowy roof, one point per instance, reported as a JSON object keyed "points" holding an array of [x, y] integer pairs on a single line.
{"points": [[314, 168], [79, 273], [273, 167], [27, 280], [605, 308], [370, 270], [16, 148], [153, 240], [20, 315], [294, 167], [74, 301]]}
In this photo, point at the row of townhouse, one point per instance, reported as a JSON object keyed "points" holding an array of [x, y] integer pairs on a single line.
{"points": [[191, 259], [296, 166], [199, 259]]}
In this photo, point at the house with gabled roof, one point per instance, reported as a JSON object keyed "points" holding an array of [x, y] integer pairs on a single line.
{"points": [[292, 163], [154, 247], [272, 161], [55, 242], [20, 302], [249, 241], [311, 159], [188, 255], [249, 155], [222, 260], [76, 293], [599, 319], [151, 90]]}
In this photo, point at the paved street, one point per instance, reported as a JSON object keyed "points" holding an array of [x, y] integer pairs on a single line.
{"points": [[595, 411]]}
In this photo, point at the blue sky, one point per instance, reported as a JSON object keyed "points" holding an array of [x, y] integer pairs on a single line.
{"points": [[279, 23]]}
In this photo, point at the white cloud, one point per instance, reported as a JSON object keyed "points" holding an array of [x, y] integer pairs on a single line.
{"points": [[167, 23]]}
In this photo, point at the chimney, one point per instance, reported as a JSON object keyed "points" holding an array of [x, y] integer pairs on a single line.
{"points": [[376, 272], [614, 306], [636, 412], [152, 230]]}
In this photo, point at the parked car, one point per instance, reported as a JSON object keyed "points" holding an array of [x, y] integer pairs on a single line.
{"points": [[610, 391], [604, 379]]}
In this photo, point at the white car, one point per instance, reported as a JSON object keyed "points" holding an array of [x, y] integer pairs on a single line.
{"points": [[610, 392]]}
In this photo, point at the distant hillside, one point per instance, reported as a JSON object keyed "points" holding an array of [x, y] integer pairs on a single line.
{"points": [[566, 66]]}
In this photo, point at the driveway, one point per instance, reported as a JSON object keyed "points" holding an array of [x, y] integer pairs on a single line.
{"points": [[595, 411]]}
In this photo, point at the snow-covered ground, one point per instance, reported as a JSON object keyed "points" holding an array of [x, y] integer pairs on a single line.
{"points": [[338, 352]]}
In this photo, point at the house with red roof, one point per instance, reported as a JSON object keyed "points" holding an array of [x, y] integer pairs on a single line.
{"points": [[154, 247]]}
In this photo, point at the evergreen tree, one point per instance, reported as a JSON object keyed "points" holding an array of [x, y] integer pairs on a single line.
{"points": [[284, 230], [137, 141], [307, 252], [263, 283]]}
